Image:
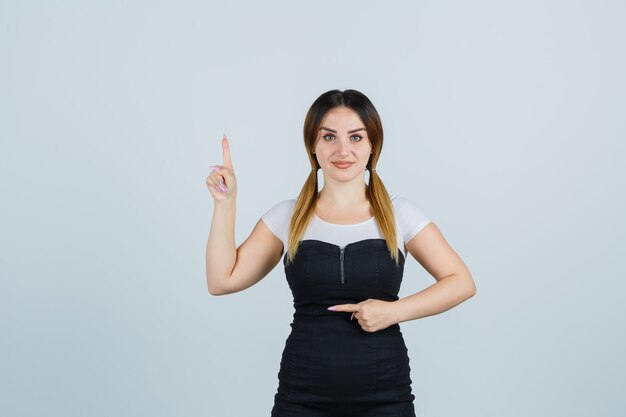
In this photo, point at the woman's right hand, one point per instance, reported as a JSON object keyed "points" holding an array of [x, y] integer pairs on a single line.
{"points": [[231, 268], [222, 183]]}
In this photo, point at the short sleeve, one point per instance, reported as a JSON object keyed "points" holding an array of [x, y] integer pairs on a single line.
{"points": [[277, 219], [410, 218]]}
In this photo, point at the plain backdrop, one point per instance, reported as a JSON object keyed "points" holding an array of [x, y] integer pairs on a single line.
{"points": [[504, 122]]}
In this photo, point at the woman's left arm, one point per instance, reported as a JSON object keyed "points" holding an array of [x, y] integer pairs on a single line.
{"points": [[454, 285], [454, 281]]}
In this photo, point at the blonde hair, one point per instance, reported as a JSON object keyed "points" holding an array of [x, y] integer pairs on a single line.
{"points": [[376, 192]]}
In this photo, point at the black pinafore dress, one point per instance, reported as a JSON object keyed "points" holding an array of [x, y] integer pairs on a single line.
{"points": [[330, 366]]}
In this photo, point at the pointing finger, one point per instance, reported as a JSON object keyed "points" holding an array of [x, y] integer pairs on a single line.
{"points": [[226, 152], [345, 307]]}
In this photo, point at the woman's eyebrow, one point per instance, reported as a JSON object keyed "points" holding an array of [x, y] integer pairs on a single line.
{"points": [[334, 131]]}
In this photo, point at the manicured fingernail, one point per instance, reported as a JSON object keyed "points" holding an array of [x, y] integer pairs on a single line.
{"points": [[332, 308], [221, 188]]}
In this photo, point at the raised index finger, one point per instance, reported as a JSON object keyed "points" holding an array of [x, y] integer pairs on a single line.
{"points": [[226, 152]]}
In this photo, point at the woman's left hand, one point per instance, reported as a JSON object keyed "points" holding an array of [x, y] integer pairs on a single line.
{"points": [[373, 315]]}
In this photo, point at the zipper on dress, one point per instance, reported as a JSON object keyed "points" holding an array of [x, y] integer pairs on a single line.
{"points": [[341, 250]]}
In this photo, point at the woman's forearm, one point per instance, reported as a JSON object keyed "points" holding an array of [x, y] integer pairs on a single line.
{"points": [[439, 297], [221, 251]]}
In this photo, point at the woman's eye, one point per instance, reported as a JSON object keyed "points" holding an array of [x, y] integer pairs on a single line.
{"points": [[357, 136], [327, 136]]}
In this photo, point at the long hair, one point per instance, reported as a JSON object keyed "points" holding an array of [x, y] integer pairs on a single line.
{"points": [[376, 192]]}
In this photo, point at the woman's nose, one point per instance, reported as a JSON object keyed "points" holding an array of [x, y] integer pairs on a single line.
{"points": [[343, 147]]}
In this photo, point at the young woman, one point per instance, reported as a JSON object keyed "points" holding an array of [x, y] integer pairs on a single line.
{"points": [[345, 247]]}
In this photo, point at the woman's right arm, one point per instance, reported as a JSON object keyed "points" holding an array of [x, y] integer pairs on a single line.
{"points": [[230, 269]]}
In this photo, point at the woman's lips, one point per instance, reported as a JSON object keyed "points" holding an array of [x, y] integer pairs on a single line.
{"points": [[342, 165]]}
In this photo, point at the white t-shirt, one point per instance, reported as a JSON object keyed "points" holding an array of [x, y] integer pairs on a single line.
{"points": [[409, 221]]}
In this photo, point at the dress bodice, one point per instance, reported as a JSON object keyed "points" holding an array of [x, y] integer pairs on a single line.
{"points": [[324, 274]]}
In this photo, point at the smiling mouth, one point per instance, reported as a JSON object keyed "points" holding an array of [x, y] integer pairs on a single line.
{"points": [[342, 164]]}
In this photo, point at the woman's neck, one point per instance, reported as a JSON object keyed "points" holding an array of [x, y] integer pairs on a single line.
{"points": [[343, 196]]}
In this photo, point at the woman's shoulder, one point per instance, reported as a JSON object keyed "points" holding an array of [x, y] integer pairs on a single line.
{"points": [[279, 212], [283, 206], [278, 216], [402, 204], [409, 216], [400, 201]]}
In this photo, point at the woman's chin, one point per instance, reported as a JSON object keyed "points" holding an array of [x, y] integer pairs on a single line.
{"points": [[346, 177]]}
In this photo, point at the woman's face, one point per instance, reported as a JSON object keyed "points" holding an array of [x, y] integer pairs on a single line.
{"points": [[342, 147]]}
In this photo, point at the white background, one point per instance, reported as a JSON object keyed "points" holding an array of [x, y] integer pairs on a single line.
{"points": [[504, 122]]}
